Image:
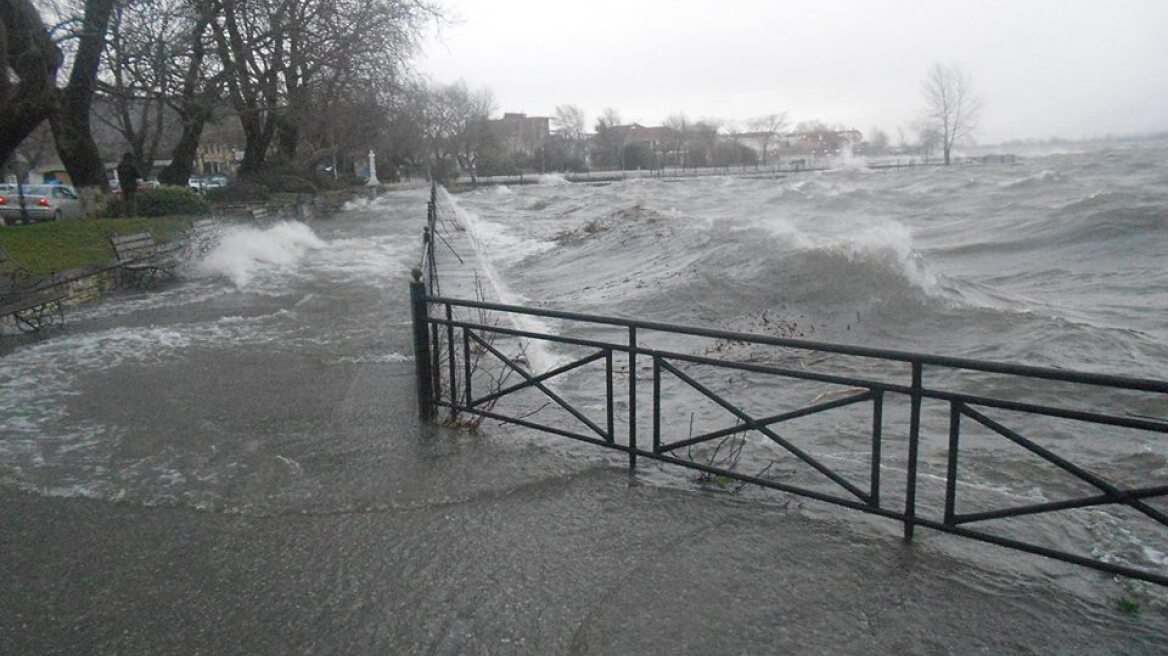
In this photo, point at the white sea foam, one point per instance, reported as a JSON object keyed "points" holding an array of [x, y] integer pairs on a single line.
{"points": [[846, 160], [1045, 177], [375, 358], [553, 180], [880, 240], [366, 259], [490, 240], [243, 251]]}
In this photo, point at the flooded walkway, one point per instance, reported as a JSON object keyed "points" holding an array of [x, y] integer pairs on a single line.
{"points": [[233, 464]]}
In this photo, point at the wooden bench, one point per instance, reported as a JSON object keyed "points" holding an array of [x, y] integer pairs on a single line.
{"points": [[32, 302], [143, 259]]}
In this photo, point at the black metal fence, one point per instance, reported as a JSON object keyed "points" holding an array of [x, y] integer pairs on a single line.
{"points": [[452, 335]]}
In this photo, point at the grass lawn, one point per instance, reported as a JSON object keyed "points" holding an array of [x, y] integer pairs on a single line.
{"points": [[59, 245]]}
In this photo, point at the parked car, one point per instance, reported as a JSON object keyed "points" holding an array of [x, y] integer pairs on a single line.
{"points": [[40, 203], [209, 182]]}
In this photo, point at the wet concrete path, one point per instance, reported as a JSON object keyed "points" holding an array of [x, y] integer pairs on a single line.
{"points": [[236, 467]]}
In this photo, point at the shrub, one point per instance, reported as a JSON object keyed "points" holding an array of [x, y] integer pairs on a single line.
{"points": [[445, 170], [239, 191], [163, 201], [281, 182]]}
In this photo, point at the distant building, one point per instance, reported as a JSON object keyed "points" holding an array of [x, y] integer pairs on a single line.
{"points": [[660, 139], [821, 142], [520, 133]]}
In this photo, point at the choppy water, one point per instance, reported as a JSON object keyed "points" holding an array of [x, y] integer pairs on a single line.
{"points": [[211, 390], [1057, 260], [1060, 260]]}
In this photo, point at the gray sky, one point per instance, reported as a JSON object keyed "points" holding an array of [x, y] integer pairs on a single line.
{"points": [[1044, 67]]}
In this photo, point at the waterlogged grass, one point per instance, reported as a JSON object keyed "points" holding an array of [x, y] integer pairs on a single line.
{"points": [[60, 245], [1128, 606]]}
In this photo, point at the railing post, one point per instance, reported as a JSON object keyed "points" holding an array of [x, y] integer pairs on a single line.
{"points": [[419, 309], [452, 361], [877, 438], [951, 473], [466, 369], [611, 416], [656, 404], [632, 398], [914, 439]]}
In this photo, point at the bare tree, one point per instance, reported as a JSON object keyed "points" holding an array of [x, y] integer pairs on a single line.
{"points": [[703, 138], [609, 118], [197, 95], [138, 75], [569, 121], [610, 139], [71, 121], [768, 126], [679, 127], [877, 141], [454, 123], [289, 64], [471, 111], [569, 125], [952, 106]]}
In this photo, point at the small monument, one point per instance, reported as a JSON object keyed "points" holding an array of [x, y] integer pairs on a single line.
{"points": [[373, 181]]}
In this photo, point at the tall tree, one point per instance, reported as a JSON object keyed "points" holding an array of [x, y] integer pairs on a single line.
{"points": [[877, 141], [679, 127], [952, 106], [195, 101], [569, 123], [289, 64], [250, 46], [610, 139], [71, 121], [768, 126], [27, 51], [703, 137], [143, 45]]}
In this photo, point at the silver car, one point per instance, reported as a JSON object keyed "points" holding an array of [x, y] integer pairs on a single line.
{"points": [[40, 203]]}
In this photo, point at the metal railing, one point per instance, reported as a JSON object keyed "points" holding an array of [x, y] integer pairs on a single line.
{"points": [[451, 333]]}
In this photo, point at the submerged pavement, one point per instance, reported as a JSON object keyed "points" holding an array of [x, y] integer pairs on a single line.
{"points": [[252, 479]]}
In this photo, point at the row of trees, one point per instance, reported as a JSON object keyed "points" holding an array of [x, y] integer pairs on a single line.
{"points": [[314, 81], [681, 142], [950, 116], [307, 80]]}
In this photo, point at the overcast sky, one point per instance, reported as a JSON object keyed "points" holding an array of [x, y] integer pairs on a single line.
{"points": [[1044, 67]]}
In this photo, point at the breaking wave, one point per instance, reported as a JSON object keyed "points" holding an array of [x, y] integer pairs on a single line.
{"points": [[244, 251]]}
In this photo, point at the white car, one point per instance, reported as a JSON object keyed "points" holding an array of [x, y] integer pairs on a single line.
{"points": [[38, 203]]}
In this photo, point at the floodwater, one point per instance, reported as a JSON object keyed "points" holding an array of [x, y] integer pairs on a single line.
{"points": [[1059, 260], [231, 463]]}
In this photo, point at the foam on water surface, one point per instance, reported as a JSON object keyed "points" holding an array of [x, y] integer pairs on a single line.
{"points": [[242, 251]]}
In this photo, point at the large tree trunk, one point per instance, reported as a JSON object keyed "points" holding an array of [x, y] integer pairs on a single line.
{"points": [[193, 111], [182, 159], [252, 99], [27, 50], [257, 136], [71, 128]]}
